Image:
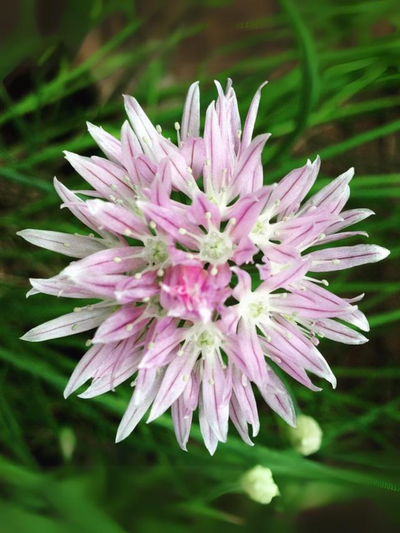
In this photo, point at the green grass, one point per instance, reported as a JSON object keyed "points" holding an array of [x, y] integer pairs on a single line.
{"points": [[333, 91]]}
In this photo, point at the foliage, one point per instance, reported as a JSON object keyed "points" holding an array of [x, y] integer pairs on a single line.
{"points": [[334, 73]]}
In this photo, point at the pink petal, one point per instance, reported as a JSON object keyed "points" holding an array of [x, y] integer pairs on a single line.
{"points": [[174, 382], [214, 151], [245, 397], [194, 153], [63, 243], [350, 217], [342, 235], [251, 119], [147, 386], [290, 188], [239, 420], [131, 149], [285, 342], [117, 219], [245, 180], [333, 197], [244, 251], [171, 222], [162, 349], [109, 145], [278, 398], [76, 206], [69, 324], [217, 390], [245, 212], [145, 131], [181, 174], [145, 168], [122, 324], [106, 383], [129, 289], [87, 366], [104, 176], [346, 257], [331, 329], [210, 440], [182, 422], [58, 286], [200, 209], [280, 253], [111, 261], [246, 353], [190, 126], [287, 276]]}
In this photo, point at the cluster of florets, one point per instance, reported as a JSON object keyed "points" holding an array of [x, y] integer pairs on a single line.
{"points": [[204, 274]]}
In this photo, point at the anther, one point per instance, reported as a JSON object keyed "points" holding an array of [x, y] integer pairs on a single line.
{"points": [[127, 232], [153, 225], [117, 259], [129, 327], [138, 275], [182, 231]]}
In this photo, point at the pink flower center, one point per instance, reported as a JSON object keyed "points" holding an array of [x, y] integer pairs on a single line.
{"points": [[191, 293]]}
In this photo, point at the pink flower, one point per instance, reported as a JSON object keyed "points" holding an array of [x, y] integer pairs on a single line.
{"points": [[170, 261], [192, 293]]}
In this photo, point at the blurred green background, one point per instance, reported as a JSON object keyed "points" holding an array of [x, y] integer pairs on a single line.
{"points": [[334, 72]]}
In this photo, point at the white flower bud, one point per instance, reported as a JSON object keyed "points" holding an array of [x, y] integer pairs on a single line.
{"points": [[67, 442], [259, 485], [307, 436]]}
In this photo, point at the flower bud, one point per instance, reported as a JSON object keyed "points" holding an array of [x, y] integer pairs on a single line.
{"points": [[307, 436], [259, 485]]}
